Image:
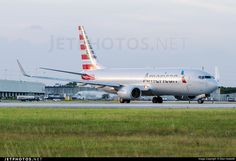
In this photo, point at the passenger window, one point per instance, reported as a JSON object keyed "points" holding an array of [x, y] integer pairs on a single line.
{"points": [[207, 77]]}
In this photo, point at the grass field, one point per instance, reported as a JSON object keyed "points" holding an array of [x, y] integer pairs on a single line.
{"points": [[117, 132]]}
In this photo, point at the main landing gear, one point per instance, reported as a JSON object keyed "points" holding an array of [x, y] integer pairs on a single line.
{"points": [[157, 99], [124, 100]]}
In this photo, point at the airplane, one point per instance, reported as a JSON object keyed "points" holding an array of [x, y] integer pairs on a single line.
{"points": [[133, 83]]}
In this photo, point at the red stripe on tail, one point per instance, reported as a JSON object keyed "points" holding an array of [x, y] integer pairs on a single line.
{"points": [[81, 37], [88, 66], [82, 47], [84, 57]]}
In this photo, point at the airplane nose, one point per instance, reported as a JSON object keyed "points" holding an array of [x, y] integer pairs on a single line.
{"points": [[212, 85], [216, 85]]}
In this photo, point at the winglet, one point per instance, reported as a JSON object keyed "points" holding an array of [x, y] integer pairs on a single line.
{"points": [[22, 69]]}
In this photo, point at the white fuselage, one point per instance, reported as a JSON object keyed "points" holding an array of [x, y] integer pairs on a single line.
{"points": [[161, 81]]}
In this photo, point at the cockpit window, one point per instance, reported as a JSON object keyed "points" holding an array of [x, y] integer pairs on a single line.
{"points": [[201, 77], [206, 77]]}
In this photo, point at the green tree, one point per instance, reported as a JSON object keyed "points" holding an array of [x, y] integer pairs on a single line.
{"points": [[73, 84]]}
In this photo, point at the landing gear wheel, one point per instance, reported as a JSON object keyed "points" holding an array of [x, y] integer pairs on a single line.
{"points": [[200, 101], [154, 100], [121, 100], [157, 100]]}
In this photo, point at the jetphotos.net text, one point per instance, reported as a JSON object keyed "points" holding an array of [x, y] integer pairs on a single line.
{"points": [[130, 43]]}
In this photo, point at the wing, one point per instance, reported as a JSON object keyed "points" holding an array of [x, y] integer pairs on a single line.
{"points": [[90, 82]]}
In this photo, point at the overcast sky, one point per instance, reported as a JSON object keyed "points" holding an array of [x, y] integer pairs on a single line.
{"points": [[124, 33]]}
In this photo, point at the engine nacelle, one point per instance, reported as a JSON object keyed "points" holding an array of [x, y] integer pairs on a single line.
{"points": [[129, 92]]}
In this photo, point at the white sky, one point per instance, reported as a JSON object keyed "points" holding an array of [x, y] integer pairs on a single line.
{"points": [[125, 33]]}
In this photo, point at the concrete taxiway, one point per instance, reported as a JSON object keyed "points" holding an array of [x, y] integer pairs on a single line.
{"points": [[115, 105]]}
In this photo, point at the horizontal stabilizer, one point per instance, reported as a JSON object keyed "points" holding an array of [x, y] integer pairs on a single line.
{"points": [[62, 71]]}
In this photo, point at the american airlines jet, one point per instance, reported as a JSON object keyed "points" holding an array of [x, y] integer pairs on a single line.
{"points": [[131, 84]]}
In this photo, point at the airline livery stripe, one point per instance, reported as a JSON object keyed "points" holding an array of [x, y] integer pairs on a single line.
{"points": [[88, 77], [88, 66], [184, 80], [81, 37], [84, 57], [82, 47]]}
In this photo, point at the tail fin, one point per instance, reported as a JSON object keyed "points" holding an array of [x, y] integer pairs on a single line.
{"points": [[89, 60]]}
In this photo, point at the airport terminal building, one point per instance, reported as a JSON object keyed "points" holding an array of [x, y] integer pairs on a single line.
{"points": [[66, 90], [12, 89]]}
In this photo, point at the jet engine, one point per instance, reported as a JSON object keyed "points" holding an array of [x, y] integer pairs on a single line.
{"points": [[129, 92]]}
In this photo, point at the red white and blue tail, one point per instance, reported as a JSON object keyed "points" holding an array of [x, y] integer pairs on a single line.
{"points": [[89, 60]]}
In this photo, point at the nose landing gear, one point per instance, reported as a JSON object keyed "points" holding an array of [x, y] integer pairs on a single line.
{"points": [[200, 101]]}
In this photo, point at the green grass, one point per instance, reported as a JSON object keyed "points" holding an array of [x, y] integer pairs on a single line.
{"points": [[117, 132]]}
